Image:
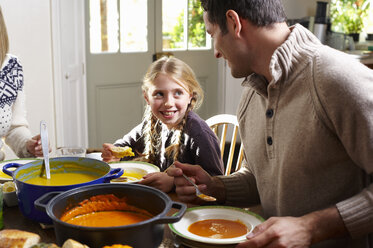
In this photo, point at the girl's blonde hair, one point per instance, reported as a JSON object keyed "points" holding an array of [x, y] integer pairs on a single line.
{"points": [[4, 42], [180, 72]]}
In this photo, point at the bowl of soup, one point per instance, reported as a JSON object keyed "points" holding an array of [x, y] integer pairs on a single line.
{"points": [[106, 214], [133, 171], [66, 173], [215, 226]]}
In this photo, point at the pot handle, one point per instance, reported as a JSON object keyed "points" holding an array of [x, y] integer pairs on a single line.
{"points": [[42, 202], [114, 173], [10, 165], [175, 217]]}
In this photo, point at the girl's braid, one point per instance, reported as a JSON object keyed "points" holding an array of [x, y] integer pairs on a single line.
{"points": [[156, 141]]}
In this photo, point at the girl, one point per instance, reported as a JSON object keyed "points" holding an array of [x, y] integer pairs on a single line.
{"points": [[170, 130]]}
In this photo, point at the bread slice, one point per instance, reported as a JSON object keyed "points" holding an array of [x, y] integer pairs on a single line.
{"points": [[120, 152], [12, 238], [70, 243]]}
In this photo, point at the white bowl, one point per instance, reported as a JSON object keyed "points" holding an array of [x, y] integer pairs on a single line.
{"points": [[194, 214], [133, 170], [70, 152]]}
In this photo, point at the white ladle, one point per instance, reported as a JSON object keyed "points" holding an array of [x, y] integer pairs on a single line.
{"points": [[45, 147]]}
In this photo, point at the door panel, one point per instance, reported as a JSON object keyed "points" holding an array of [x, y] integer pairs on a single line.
{"points": [[70, 80], [112, 100]]}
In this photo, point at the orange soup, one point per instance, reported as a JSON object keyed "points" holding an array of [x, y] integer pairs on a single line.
{"points": [[104, 211], [218, 228], [108, 218], [61, 179]]}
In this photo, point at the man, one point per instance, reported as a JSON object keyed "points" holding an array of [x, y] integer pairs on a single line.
{"points": [[306, 124]]}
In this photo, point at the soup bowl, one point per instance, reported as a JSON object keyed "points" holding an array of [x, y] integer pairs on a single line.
{"points": [[148, 233], [76, 167]]}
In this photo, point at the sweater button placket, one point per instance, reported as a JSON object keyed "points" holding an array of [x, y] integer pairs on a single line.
{"points": [[269, 114]]}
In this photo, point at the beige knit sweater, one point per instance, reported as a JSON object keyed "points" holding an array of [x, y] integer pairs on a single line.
{"points": [[321, 128]]}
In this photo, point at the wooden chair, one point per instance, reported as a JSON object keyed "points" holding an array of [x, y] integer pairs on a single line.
{"points": [[223, 121]]}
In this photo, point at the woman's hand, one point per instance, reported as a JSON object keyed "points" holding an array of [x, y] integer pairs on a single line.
{"points": [[33, 146], [159, 180], [107, 155]]}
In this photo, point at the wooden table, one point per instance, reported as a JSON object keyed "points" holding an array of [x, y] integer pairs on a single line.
{"points": [[14, 219]]}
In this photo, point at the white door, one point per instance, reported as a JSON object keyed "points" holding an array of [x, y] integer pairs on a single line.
{"points": [[69, 73], [114, 77]]}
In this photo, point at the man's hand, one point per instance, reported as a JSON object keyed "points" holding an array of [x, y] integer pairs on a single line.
{"points": [[297, 232], [279, 232], [206, 184]]}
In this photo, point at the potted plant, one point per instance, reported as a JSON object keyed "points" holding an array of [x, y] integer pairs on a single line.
{"points": [[348, 16]]}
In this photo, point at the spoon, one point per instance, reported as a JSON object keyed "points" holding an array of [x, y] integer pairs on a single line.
{"points": [[198, 193], [45, 147]]}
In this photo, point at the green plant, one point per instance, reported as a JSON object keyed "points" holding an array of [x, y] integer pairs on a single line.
{"points": [[196, 27], [348, 16]]}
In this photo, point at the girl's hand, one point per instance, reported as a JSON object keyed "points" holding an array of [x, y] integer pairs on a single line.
{"points": [[107, 155], [33, 146], [159, 180]]}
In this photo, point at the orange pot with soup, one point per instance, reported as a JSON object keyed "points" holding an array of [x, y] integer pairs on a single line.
{"points": [[66, 173], [107, 214]]}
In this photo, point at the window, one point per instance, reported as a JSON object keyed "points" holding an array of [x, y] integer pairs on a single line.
{"points": [[121, 26], [183, 26], [111, 31], [352, 16]]}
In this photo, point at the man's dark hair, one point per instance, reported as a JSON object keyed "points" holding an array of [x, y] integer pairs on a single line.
{"points": [[259, 12]]}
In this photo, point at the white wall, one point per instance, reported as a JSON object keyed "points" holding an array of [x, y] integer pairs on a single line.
{"points": [[295, 9], [29, 29]]}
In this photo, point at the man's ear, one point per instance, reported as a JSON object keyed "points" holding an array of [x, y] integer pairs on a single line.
{"points": [[145, 97], [233, 22]]}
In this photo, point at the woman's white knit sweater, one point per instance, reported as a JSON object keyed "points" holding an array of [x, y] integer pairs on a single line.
{"points": [[308, 137], [13, 123]]}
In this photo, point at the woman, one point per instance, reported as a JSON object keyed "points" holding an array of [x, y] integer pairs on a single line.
{"points": [[13, 123]]}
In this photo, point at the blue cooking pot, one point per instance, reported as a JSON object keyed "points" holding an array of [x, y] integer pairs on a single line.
{"points": [[27, 193]]}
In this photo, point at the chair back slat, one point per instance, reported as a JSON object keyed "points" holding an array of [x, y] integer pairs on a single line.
{"points": [[240, 158], [223, 137], [223, 122]]}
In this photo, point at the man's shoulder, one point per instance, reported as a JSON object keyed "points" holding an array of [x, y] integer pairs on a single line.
{"points": [[332, 63]]}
